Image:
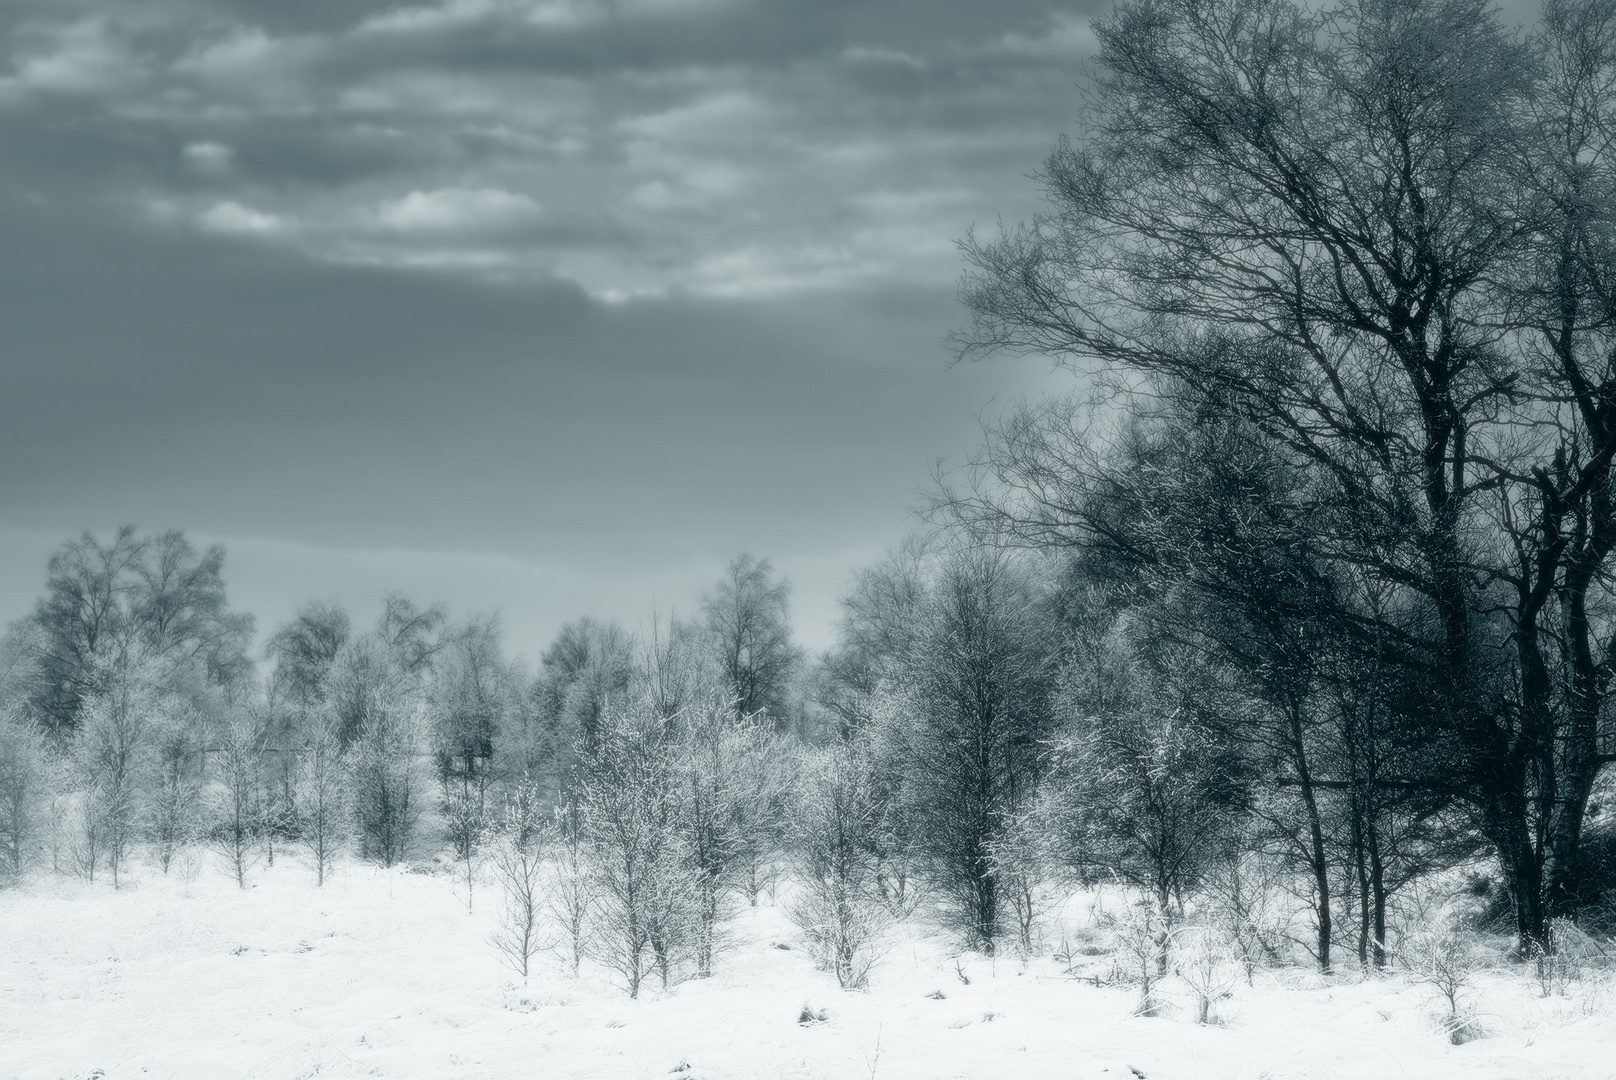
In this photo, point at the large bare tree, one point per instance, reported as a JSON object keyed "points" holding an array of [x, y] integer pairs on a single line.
{"points": [[1377, 236]]}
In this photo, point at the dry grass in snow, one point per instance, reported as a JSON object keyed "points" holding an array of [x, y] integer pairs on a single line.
{"points": [[385, 973]]}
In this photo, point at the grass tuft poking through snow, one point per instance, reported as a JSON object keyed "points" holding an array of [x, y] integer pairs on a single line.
{"points": [[385, 973]]}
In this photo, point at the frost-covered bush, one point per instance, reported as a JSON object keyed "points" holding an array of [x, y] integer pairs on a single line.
{"points": [[1440, 951], [377, 699], [1142, 941], [236, 798], [1246, 894], [640, 870], [111, 757], [389, 785], [569, 894], [173, 813], [1571, 954], [1208, 963], [518, 865], [323, 797], [839, 909], [23, 797]]}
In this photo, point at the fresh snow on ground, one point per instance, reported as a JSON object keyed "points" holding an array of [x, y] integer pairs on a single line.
{"points": [[385, 973]]}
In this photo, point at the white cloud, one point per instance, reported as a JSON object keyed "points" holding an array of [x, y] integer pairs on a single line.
{"points": [[210, 157], [875, 54], [416, 20], [1064, 36], [692, 186], [453, 14], [717, 116], [454, 208], [665, 8], [234, 218], [80, 58], [244, 47]]}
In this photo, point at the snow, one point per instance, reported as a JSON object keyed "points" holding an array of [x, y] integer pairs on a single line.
{"points": [[386, 973]]}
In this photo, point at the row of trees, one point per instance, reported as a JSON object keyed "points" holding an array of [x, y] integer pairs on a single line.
{"points": [[1315, 596], [992, 728], [1306, 594], [131, 712]]}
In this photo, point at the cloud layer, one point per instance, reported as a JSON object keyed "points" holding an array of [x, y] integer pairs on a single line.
{"points": [[634, 147], [616, 288]]}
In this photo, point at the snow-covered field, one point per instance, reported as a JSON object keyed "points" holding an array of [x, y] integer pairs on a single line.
{"points": [[385, 973]]}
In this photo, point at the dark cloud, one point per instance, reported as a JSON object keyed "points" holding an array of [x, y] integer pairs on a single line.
{"points": [[242, 391], [589, 294]]}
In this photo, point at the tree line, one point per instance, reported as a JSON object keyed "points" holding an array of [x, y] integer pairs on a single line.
{"points": [[1299, 603]]}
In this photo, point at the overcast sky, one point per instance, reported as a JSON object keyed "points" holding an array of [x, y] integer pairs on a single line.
{"points": [[549, 306]]}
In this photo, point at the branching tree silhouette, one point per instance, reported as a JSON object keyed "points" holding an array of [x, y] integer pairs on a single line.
{"points": [[1379, 236]]}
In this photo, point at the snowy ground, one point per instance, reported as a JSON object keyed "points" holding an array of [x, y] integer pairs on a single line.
{"points": [[384, 973]]}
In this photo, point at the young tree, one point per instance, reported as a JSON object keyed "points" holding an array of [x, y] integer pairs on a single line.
{"points": [[1139, 789], [84, 611], [304, 650], [324, 797], [174, 804], [410, 634], [763, 788], [112, 755], [747, 617], [23, 801], [379, 710], [570, 895], [840, 909], [979, 687], [712, 791], [238, 804], [589, 664], [671, 668], [472, 700], [875, 636], [519, 868], [388, 787], [630, 816]]}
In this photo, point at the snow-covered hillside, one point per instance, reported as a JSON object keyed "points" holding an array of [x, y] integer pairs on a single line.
{"points": [[385, 973]]}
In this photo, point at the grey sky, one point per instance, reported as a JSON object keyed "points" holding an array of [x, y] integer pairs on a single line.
{"points": [[544, 305]]}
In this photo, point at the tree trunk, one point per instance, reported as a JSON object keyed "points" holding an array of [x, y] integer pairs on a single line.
{"points": [[1317, 856]]}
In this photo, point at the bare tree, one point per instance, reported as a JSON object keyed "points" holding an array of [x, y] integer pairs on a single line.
{"points": [[472, 699], [380, 711], [237, 826], [978, 695], [570, 893], [840, 909], [1369, 243], [589, 664], [23, 803], [174, 803], [629, 809], [518, 864], [748, 624], [112, 755], [324, 797], [155, 594], [714, 793]]}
